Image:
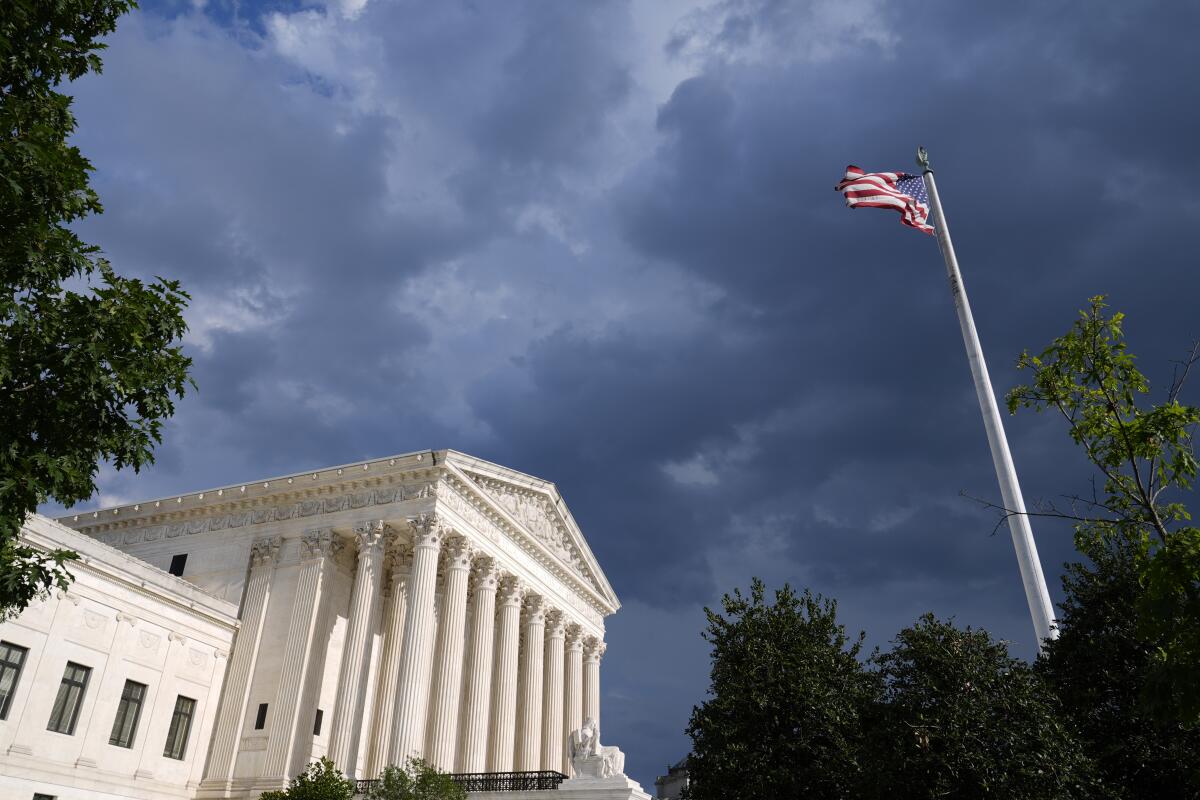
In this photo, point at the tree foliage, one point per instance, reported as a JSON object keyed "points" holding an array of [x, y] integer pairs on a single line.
{"points": [[1098, 667], [787, 692], [89, 360], [322, 780], [959, 717], [417, 780], [1145, 456], [794, 712]]}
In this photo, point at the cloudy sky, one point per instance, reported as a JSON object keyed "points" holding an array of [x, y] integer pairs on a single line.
{"points": [[598, 242]]}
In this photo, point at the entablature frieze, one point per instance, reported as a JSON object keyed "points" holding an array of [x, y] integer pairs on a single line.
{"points": [[236, 512]]}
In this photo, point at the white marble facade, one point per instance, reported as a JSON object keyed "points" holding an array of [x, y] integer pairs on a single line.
{"points": [[430, 604], [123, 625]]}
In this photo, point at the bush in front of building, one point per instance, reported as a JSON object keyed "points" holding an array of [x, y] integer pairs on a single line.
{"points": [[417, 780], [321, 781]]}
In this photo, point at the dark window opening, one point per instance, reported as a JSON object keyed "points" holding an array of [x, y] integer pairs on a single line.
{"points": [[12, 658], [261, 719], [181, 726], [65, 713], [317, 723], [177, 564], [129, 710]]}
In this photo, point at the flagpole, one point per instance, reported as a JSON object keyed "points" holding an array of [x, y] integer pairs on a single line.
{"points": [[1036, 593]]}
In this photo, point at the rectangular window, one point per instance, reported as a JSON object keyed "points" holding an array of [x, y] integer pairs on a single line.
{"points": [[181, 726], [12, 658], [128, 711], [261, 718], [317, 723], [65, 713], [177, 564]]}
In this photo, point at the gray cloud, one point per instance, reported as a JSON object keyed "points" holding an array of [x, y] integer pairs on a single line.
{"points": [[492, 228]]}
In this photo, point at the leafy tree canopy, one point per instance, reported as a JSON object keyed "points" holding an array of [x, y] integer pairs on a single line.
{"points": [[1145, 456], [89, 360], [959, 717], [417, 780], [787, 692], [1098, 667], [794, 712], [321, 781]]}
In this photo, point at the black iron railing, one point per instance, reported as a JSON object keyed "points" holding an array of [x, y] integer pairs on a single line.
{"points": [[494, 781]]}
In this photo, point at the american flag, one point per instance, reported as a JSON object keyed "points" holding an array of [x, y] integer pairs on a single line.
{"points": [[899, 190]]}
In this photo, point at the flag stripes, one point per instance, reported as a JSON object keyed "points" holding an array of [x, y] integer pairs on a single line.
{"points": [[896, 190]]}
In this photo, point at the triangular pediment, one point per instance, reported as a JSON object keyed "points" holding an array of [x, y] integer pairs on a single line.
{"points": [[539, 511]]}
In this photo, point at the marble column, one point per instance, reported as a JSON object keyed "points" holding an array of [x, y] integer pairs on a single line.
{"points": [[356, 655], [447, 676], [552, 693], [529, 705], [416, 654], [572, 690], [477, 697], [504, 677], [593, 649], [236, 692], [400, 558], [289, 739]]}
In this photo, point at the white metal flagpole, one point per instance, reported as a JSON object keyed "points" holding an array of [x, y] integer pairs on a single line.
{"points": [[1010, 490]]}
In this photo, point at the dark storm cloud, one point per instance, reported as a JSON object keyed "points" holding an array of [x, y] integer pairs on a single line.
{"points": [[484, 227]]}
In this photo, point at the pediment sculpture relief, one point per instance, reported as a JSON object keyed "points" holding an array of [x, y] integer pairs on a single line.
{"points": [[535, 513]]}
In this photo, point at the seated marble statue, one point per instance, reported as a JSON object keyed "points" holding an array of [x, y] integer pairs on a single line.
{"points": [[589, 758]]}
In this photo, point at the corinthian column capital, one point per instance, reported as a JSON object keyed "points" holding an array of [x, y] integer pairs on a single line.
{"points": [[371, 536], [574, 636], [264, 551], [593, 649], [511, 591], [428, 530], [556, 624], [458, 553], [535, 609], [319, 543], [484, 574]]}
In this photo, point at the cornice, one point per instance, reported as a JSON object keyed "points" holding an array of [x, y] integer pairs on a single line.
{"points": [[347, 479], [278, 507]]}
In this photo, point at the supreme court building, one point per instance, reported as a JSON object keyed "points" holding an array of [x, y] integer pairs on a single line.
{"points": [[430, 604]]}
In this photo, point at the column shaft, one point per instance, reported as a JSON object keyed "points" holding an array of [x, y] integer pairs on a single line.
{"points": [[416, 655], [236, 692], [389, 665], [356, 656], [504, 678], [447, 676], [592, 651], [290, 735], [552, 694], [472, 748], [528, 752], [572, 690]]}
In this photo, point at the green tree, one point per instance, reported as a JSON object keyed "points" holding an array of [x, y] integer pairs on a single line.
{"points": [[786, 697], [1098, 667], [417, 780], [1144, 453], [89, 360], [321, 781], [960, 718]]}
